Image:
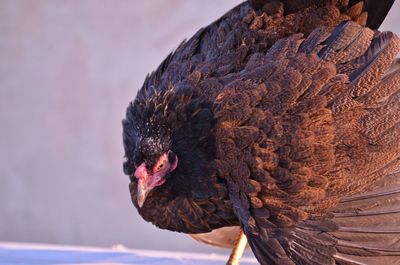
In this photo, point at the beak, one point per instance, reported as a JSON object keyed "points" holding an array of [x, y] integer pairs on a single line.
{"points": [[144, 186], [142, 191]]}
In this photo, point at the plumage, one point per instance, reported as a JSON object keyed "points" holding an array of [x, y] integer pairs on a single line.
{"points": [[284, 120]]}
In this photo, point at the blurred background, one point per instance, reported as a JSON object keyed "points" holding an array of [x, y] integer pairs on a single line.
{"points": [[68, 69]]}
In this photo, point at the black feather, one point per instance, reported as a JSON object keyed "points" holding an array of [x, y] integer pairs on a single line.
{"points": [[283, 116]]}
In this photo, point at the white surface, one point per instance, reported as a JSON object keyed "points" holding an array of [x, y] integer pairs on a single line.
{"points": [[67, 72], [17, 253]]}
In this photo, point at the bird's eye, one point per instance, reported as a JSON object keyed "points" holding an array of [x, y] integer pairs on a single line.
{"points": [[162, 163], [161, 166]]}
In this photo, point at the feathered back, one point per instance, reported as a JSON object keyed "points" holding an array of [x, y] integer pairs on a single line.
{"points": [[329, 112]]}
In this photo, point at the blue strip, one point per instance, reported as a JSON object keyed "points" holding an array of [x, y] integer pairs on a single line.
{"points": [[52, 257]]}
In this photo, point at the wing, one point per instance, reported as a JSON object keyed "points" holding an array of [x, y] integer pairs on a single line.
{"points": [[304, 128]]}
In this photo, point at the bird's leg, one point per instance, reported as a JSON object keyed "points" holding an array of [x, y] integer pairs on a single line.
{"points": [[237, 251]]}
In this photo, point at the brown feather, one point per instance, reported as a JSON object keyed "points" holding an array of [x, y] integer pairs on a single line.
{"points": [[285, 119]]}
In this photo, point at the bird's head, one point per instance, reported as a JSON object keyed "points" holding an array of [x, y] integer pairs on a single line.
{"points": [[167, 139], [153, 173], [148, 149]]}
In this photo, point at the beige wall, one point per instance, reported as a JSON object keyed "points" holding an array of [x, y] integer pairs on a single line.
{"points": [[67, 72]]}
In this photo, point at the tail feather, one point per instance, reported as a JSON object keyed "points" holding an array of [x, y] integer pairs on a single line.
{"points": [[361, 229], [369, 224], [351, 260]]}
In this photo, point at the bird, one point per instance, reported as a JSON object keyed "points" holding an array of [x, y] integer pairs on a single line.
{"points": [[281, 120]]}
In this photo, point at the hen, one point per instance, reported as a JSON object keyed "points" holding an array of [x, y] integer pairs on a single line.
{"points": [[282, 117]]}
